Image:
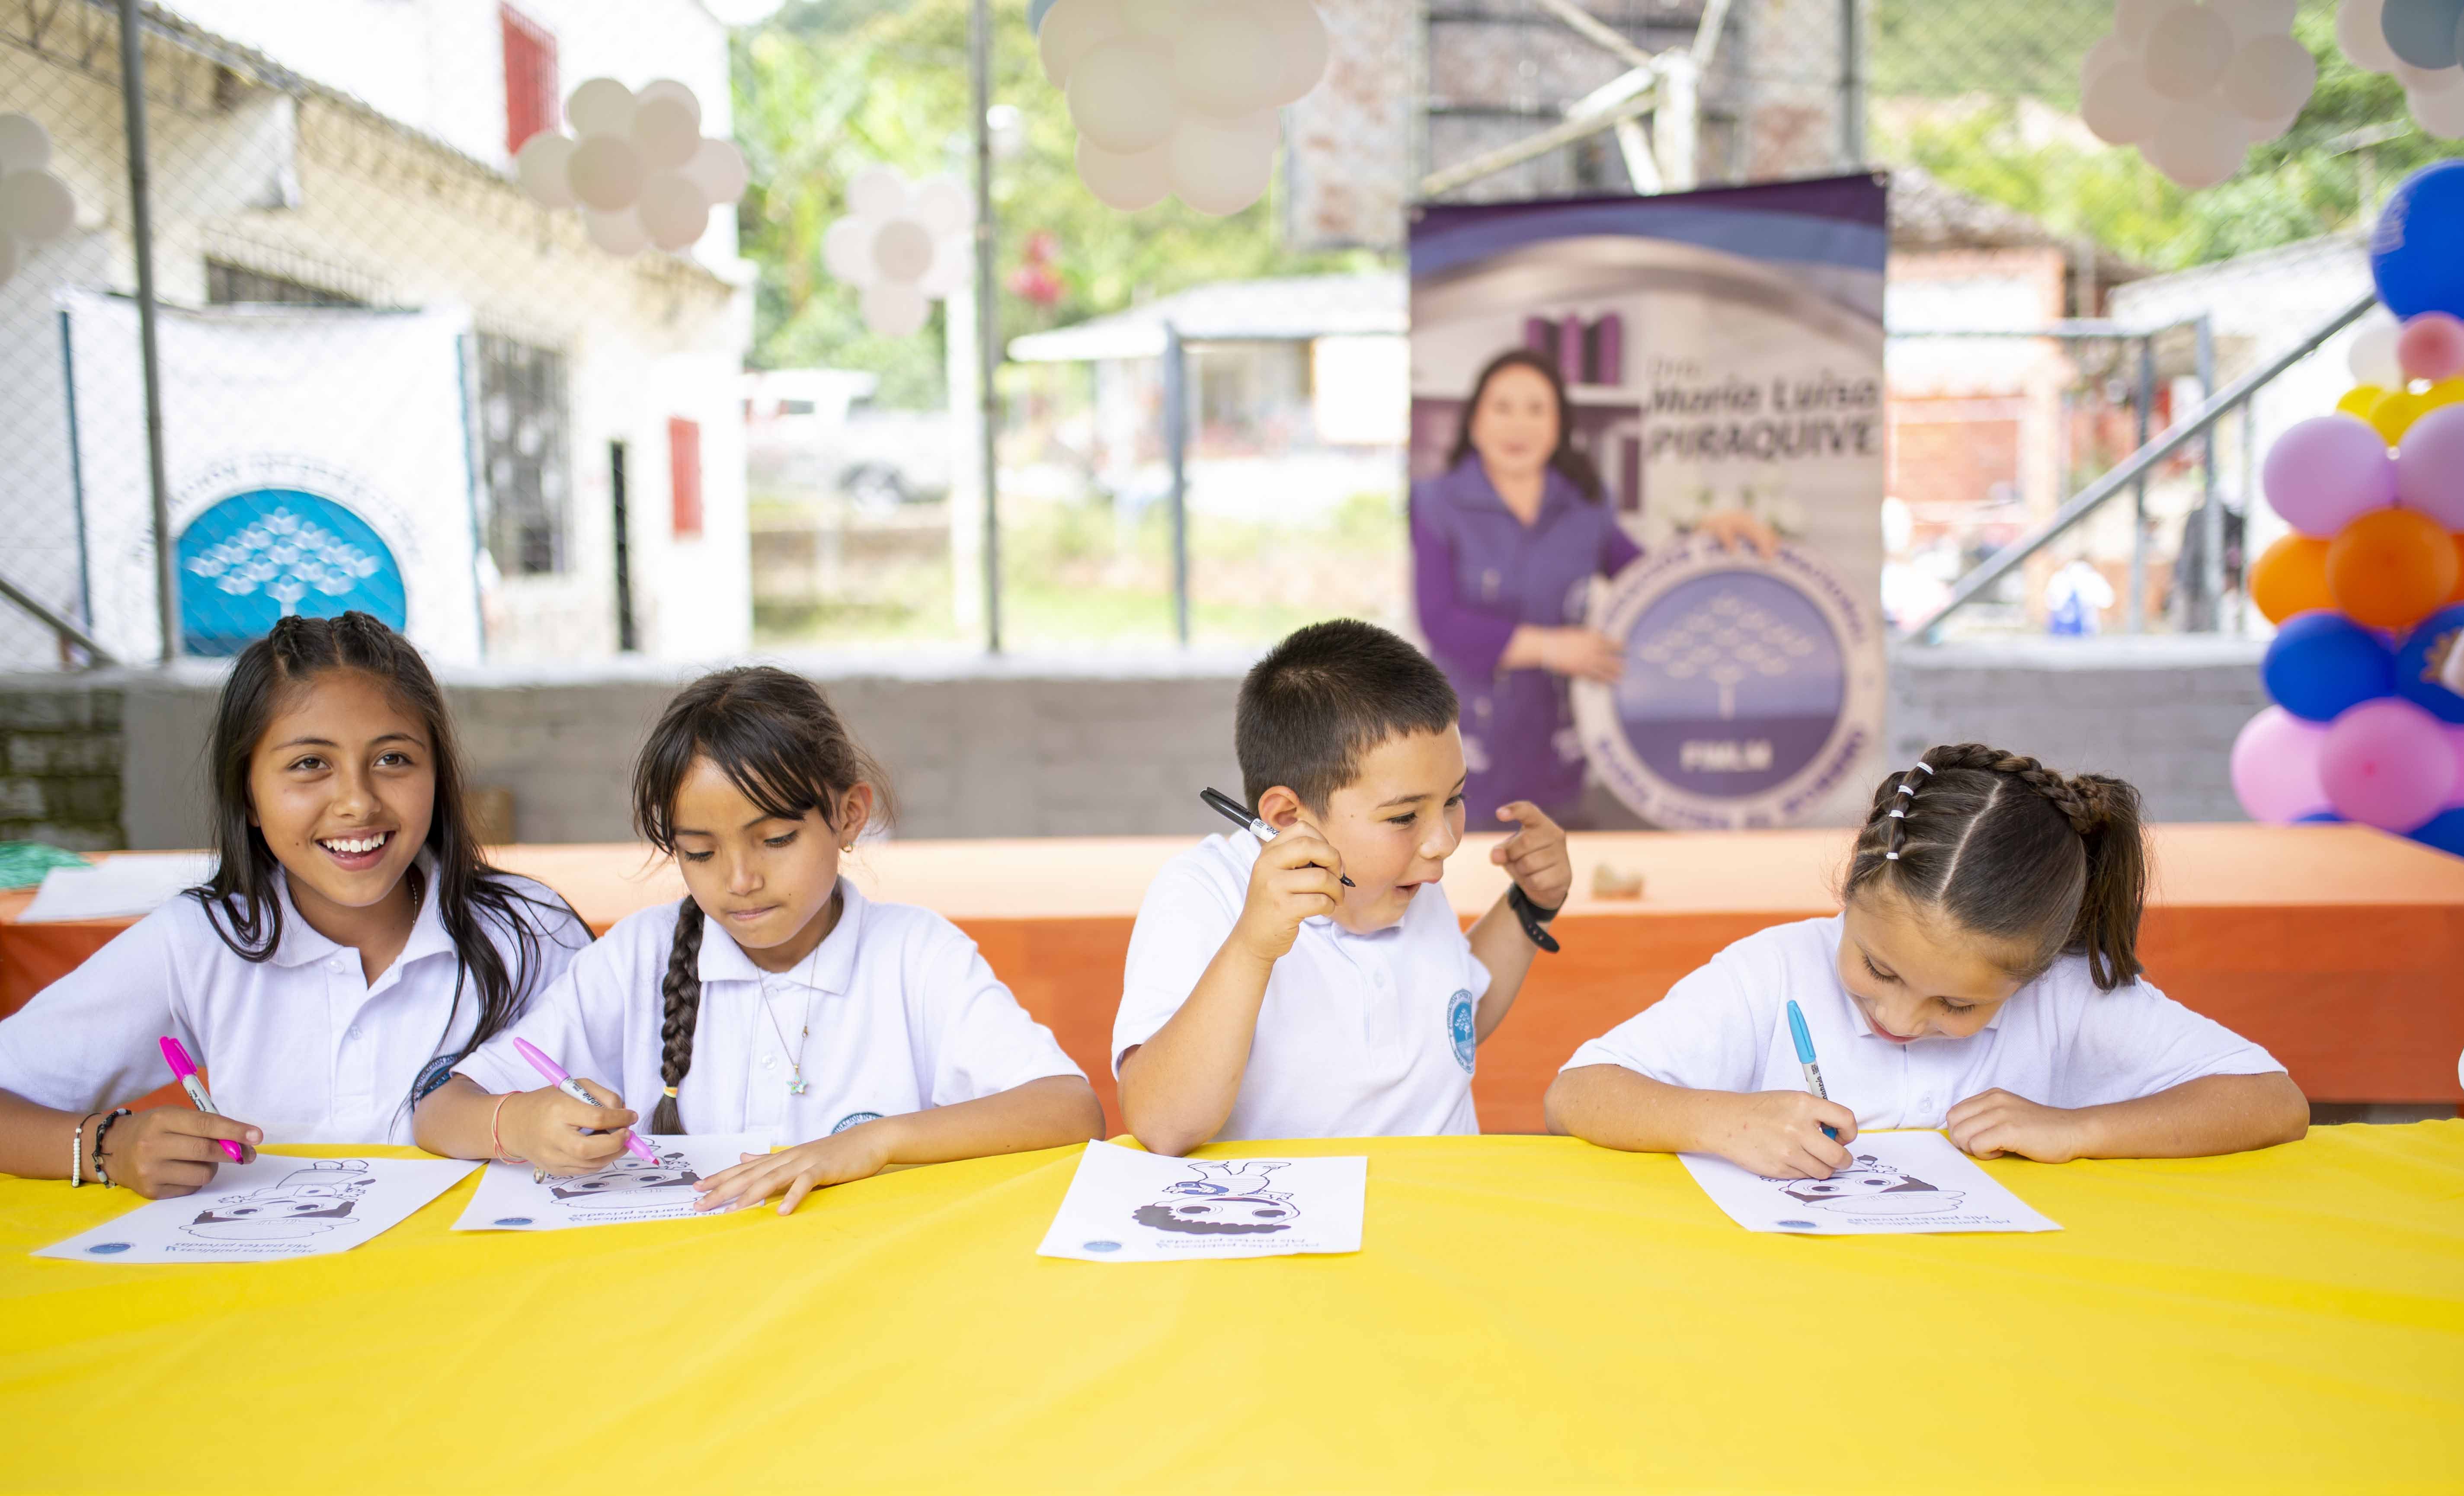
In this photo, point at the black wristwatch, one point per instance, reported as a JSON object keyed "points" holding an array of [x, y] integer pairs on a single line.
{"points": [[1536, 919]]}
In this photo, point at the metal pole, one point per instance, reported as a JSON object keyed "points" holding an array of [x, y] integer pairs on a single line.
{"points": [[1175, 447], [140, 218], [2139, 493], [56, 623], [2212, 504], [980, 64], [2249, 507]]}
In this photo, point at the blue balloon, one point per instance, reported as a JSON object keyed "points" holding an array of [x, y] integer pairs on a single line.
{"points": [[2320, 817], [2444, 831], [2422, 31], [2416, 678], [1035, 9], [2417, 249], [2322, 664]]}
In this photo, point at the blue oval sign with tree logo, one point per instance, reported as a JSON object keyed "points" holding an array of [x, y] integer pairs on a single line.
{"points": [[270, 553]]}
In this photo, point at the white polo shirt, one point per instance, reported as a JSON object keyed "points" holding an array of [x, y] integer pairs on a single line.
{"points": [[2057, 1042], [1360, 1036], [903, 1013], [298, 1044]]}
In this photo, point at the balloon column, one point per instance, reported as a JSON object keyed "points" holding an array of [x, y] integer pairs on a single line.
{"points": [[2366, 670], [34, 204], [636, 165], [1178, 97], [2195, 86]]}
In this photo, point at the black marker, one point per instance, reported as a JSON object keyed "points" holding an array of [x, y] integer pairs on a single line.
{"points": [[1239, 815]]}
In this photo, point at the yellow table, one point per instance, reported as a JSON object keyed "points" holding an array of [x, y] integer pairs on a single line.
{"points": [[1531, 1314]]}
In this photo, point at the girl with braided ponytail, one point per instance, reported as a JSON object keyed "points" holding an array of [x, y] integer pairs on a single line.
{"points": [[351, 944], [1982, 977], [774, 999]]}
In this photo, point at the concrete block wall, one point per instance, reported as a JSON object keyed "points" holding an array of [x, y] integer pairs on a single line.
{"points": [[1087, 746]]}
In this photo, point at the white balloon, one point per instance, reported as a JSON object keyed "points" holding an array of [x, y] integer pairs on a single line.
{"points": [[2270, 77], [600, 107], [24, 145], [894, 308], [35, 207], [940, 205], [2196, 145], [1220, 170], [2427, 81], [846, 250], [7, 259], [2440, 113], [1159, 20], [2189, 48], [1300, 42], [1121, 98], [669, 88], [1224, 64], [902, 250], [675, 213], [606, 172], [949, 265], [1128, 183], [2254, 18], [2108, 51], [2132, 18], [665, 133], [720, 167], [2372, 354], [542, 164], [618, 233], [877, 192], [1072, 30], [2362, 32], [2119, 108]]}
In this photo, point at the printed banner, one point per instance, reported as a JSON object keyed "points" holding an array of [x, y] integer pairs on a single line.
{"points": [[1722, 353]]}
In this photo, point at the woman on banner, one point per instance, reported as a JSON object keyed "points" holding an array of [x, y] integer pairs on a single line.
{"points": [[1505, 543]]}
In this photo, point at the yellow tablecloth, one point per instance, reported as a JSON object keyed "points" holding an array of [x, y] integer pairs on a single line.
{"points": [[1531, 1314]]}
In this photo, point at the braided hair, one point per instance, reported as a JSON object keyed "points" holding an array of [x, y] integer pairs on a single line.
{"points": [[783, 745], [2050, 863], [240, 898]]}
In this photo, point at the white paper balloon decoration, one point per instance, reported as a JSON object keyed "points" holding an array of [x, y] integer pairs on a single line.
{"points": [[2271, 78], [1220, 170], [665, 132], [877, 192], [2189, 48], [674, 210], [669, 88], [543, 165], [24, 145], [940, 205], [35, 207], [720, 167], [1223, 65], [2359, 31], [1128, 183], [894, 308], [2196, 145], [846, 248], [607, 172], [1160, 20], [2371, 358], [618, 233], [2251, 18], [2132, 19], [2119, 108], [2108, 50], [2439, 113], [902, 250], [1301, 41], [600, 107], [899, 247], [2194, 86], [1121, 96], [2426, 80], [1072, 30]]}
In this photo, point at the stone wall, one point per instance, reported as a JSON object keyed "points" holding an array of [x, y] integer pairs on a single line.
{"points": [[60, 748]]}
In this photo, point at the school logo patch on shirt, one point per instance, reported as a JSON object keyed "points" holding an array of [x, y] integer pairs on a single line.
{"points": [[853, 1119], [1459, 1026]]}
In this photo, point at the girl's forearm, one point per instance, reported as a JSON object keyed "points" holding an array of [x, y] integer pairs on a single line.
{"points": [[1051, 1112], [34, 1139], [2196, 1119], [1179, 1088], [1618, 1107], [453, 1121]]}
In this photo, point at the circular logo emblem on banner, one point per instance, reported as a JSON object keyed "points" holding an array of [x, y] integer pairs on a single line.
{"points": [[1752, 686], [272, 552]]}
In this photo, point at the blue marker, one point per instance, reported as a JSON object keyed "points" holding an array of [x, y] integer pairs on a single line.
{"points": [[1797, 1030]]}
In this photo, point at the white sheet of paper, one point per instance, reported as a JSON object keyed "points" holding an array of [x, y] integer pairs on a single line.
{"points": [[122, 885], [1126, 1206], [625, 1190], [278, 1206], [1900, 1183]]}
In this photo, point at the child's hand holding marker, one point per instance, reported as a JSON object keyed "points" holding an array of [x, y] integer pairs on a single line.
{"points": [[1779, 1134], [1298, 875], [167, 1150], [561, 1134]]}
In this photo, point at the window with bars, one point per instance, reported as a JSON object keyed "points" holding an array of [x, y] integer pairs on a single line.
{"points": [[523, 431], [530, 77], [231, 285]]}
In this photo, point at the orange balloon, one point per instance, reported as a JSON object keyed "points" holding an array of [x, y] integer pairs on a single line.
{"points": [[2395, 412], [2392, 569], [2446, 391], [2291, 577], [2359, 400], [2457, 596]]}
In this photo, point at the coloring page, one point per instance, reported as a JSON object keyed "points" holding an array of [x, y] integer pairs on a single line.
{"points": [[1126, 1206], [629, 1189], [1900, 1183], [277, 1206]]}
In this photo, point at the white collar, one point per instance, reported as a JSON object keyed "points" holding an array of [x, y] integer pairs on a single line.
{"points": [[831, 968], [302, 944]]}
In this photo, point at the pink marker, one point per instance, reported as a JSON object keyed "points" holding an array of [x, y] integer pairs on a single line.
{"points": [[184, 1071], [566, 1084]]}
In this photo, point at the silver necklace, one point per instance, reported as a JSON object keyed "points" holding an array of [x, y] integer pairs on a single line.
{"points": [[796, 1057]]}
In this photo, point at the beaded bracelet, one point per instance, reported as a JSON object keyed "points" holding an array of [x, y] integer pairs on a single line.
{"points": [[100, 1173], [77, 1151], [496, 1143]]}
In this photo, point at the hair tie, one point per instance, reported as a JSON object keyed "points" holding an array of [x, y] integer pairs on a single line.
{"points": [[1906, 788], [669, 1092], [1899, 812], [1890, 857], [1921, 764]]}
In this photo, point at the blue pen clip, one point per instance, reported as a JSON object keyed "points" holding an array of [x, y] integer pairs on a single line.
{"points": [[1804, 1038]]}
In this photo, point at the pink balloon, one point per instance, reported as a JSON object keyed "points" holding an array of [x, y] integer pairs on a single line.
{"points": [[2455, 741], [2387, 763], [2276, 767], [2325, 473], [2430, 467], [2430, 345]]}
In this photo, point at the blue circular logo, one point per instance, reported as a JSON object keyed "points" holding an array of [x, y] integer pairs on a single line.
{"points": [[1461, 1029], [272, 552], [109, 1248], [1799, 1225], [513, 1220], [854, 1119], [1101, 1246]]}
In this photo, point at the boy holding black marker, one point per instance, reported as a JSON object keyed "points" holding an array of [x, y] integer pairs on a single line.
{"points": [[1319, 985]]}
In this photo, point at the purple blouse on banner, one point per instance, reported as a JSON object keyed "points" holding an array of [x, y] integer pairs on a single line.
{"points": [[1478, 572]]}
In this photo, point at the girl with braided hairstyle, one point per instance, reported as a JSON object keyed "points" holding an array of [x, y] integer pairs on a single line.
{"points": [[1982, 977], [774, 999]]}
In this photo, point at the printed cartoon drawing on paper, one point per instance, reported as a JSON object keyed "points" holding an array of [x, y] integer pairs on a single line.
{"points": [[621, 1184], [1871, 1187], [309, 1201], [1227, 1197]]}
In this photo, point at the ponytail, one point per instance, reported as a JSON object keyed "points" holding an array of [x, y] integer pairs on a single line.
{"points": [[682, 990], [2049, 864]]}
